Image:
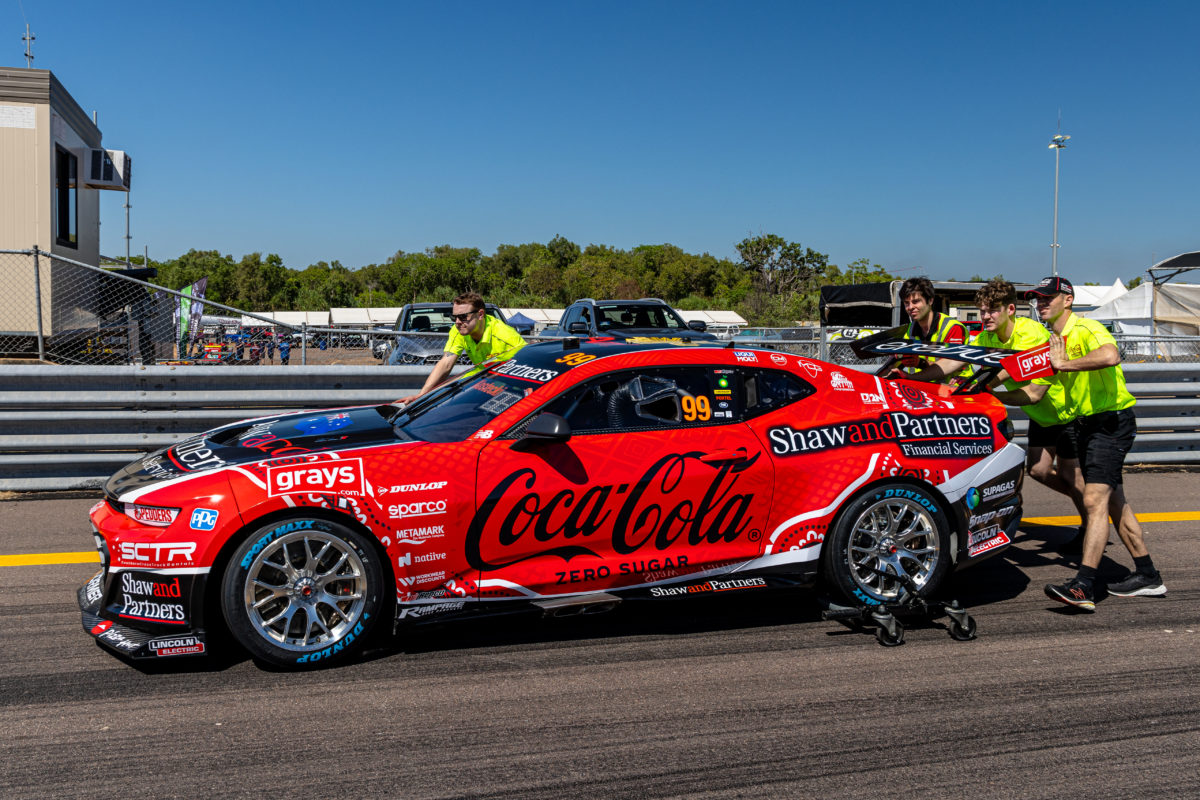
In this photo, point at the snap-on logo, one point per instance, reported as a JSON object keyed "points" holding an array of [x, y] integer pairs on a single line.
{"points": [[344, 476]]}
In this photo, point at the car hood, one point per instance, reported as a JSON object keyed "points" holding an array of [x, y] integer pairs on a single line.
{"points": [[257, 440]]}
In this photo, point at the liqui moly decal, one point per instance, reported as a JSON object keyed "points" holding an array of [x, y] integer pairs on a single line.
{"points": [[925, 436], [343, 476]]}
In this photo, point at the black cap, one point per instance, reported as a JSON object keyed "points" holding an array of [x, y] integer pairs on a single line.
{"points": [[1052, 286]]}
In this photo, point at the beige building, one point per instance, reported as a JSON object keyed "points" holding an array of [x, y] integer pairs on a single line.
{"points": [[52, 170]]}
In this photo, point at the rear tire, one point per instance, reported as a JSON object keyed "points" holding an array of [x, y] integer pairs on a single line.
{"points": [[303, 591], [897, 528]]}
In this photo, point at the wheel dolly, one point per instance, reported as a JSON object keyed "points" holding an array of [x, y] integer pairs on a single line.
{"points": [[889, 631]]}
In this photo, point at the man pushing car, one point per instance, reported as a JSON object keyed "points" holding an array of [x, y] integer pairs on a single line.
{"points": [[478, 334]]}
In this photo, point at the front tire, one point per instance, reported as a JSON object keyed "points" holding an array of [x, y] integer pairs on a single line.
{"points": [[303, 591], [891, 530]]}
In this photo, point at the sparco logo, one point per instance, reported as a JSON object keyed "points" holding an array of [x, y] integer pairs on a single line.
{"points": [[339, 477], [158, 552], [419, 508]]}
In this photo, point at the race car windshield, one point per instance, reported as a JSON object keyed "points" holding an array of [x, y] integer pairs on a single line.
{"points": [[462, 408]]}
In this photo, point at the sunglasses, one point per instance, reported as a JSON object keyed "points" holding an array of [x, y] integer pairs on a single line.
{"points": [[463, 317]]}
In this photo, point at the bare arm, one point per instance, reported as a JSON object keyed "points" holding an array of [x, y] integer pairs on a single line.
{"points": [[934, 372], [1106, 355], [441, 371], [1025, 395]]}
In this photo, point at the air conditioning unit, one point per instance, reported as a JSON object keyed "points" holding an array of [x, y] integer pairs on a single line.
{"points": [[108, 169]]}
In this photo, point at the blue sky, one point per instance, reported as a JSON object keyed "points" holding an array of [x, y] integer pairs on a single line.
{"points": [[910, 134]]}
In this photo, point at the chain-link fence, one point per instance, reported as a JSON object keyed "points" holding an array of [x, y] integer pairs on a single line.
{"points": [[58, 310]]}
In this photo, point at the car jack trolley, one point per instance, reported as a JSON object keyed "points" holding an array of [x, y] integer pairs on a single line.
{"points": [[889, 631]]}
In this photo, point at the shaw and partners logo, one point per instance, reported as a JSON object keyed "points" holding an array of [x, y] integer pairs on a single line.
{"points": [[924, 436], [344, 476]]}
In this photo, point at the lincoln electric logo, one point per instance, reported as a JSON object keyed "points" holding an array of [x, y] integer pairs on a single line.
{"points": [[926, 436]]}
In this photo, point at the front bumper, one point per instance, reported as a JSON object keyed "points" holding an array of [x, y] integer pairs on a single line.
{"points": [[144, 614]]}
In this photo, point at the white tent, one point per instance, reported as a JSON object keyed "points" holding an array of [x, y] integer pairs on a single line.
{"points": [[1171, 309], [1088, 297]]}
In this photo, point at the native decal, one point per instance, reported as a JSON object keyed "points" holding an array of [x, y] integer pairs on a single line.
{"points": [[925, 436]]}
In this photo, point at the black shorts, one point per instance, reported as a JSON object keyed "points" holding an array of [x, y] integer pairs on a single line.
{"points": [[1055, 436], [1102, 441]]}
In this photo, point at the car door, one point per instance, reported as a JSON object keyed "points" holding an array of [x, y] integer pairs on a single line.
{"points": [[656, 482]]}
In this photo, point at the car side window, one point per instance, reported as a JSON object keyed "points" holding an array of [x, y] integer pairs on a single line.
{"points": [[767, 390], [647, 399]]}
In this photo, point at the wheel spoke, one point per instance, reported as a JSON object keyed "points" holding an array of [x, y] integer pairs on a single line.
{"points": [[333, 570], [305, 590]]}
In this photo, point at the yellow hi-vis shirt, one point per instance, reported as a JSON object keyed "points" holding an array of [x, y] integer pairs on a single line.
{"points": [[1027, 333], [499, 341], [945, 330], [1097, 390]]}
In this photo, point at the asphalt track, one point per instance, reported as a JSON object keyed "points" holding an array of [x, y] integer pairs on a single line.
{"points": [[738, 696]]}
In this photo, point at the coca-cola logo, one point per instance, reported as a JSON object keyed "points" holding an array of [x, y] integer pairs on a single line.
{"points": [[651, 514]]}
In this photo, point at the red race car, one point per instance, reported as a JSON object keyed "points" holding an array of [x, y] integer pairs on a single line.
{"points": [[569, 478]]}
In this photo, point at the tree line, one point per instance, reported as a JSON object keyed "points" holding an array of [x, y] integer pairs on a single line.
{"points": [[775, 282]]}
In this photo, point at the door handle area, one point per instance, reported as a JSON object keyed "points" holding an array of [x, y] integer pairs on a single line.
{"points": [[722, 456]]}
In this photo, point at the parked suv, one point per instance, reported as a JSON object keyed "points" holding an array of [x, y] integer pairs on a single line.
{"points": [[423, 318], [626, 319]]}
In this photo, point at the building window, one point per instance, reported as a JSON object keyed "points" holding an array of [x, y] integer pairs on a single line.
{"points": [[66, 198]]}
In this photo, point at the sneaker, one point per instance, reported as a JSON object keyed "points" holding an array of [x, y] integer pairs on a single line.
{"points": [[1074, 593], [1138, 585]]}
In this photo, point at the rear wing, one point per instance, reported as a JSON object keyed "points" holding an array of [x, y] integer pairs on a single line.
{"points": [[1021, 365]]}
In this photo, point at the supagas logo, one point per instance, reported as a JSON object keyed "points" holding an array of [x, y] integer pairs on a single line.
{"points": [[336, 477]]}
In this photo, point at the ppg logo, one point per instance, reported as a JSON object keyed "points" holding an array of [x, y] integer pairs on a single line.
{"points": [[204, 519]]}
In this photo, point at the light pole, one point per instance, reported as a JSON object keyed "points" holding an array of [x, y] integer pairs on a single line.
{"points": [[1056, 144]]}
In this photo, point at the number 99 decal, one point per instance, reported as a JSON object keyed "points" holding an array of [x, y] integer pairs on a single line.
{"points": [[574, 359], [696, 408]]}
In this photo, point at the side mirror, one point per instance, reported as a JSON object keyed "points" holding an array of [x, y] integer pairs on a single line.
{"points": [[577, 327], [698, 325], [548, 428]]}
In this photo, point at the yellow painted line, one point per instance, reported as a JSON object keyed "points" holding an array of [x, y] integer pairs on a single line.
{"points": [[1151, 516], [44, 559], [92, 557]]}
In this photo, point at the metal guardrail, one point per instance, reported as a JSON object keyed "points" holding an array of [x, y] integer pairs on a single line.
{"points": [[72, 427]]}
